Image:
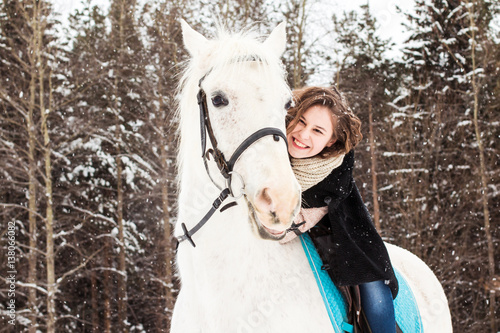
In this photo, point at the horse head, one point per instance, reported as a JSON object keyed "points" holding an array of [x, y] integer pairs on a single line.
{"points": [[242, 83]]}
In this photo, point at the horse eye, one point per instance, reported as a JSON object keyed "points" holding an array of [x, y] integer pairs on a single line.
{"points": [[288, 104], [219, 101]]}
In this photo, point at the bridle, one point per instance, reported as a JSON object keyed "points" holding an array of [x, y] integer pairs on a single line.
{"points": [[225, 167]]}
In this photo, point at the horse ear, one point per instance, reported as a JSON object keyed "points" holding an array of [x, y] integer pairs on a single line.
{"points": [[193, 40], [277, 39]]}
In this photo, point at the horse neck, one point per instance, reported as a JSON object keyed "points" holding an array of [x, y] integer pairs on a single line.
{"points": [[227, 249]]}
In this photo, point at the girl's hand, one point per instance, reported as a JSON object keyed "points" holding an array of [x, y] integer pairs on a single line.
{"points": [[305, 220]]}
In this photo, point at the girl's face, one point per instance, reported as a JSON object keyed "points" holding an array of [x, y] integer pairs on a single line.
{"points": [[313, 132]]}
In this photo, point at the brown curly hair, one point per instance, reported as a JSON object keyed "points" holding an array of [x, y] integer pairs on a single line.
{"points": [[347, 131]]}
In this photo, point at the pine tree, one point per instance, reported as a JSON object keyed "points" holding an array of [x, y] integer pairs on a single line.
{"points": [[298, 54], [164, 40], [17, 120], [84, 178], [232, 14], [477, 13], [432, 108], [19, 142], [24, 98], [36, 71], [113, 167], [122, 128], [368, 80], [440, 109]]}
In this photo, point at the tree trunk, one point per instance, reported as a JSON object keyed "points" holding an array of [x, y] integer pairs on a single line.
{"points": [[297, 61], [376, 209], [482, 172], [414, 220], [49, 218], [107, 286], [167, 248], [122, 276], [49, 222], [94, 296], [32, 274], [122, 269], [32, 191]]}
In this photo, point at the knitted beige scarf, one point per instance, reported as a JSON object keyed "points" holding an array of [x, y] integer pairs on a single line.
{"points": [[310, 171]]}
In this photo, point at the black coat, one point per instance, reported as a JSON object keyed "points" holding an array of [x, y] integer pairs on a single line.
{"points": [[348, 243]]}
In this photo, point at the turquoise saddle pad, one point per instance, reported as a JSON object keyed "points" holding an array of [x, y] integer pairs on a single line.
{"points": [[405, 306]]}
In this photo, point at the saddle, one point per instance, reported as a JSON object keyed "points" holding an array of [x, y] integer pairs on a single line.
{"points": [[343, 304]]}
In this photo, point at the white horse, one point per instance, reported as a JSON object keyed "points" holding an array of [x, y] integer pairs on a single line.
{"points": [[238, 278]]}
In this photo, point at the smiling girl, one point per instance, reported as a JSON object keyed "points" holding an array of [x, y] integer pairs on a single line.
{"points": [[321, 133]]}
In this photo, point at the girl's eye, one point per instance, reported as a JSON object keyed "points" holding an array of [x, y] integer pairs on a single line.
{"points": [[318, 131], [219, 101]]}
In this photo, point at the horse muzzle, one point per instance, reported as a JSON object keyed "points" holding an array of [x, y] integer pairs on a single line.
{"points": [[272, 212]]}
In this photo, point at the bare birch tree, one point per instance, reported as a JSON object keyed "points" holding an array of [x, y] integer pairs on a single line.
{"points": [[483, 190]]}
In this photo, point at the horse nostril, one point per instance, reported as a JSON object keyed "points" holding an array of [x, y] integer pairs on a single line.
{"points": [[265, 196], [264, 202]]}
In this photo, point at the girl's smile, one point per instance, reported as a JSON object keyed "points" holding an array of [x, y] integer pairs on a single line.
{"points": [[299, 144]]}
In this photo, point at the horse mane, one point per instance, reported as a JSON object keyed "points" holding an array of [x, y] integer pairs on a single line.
{"points": [[227, 48]]}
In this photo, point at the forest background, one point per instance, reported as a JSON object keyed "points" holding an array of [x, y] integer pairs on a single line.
{"points": [[88, 148]]}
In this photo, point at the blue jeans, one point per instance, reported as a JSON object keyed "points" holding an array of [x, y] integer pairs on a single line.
{"points": [[376, 300]]}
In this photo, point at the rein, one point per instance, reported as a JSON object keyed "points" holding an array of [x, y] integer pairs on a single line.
{"points": [[225, 167]]}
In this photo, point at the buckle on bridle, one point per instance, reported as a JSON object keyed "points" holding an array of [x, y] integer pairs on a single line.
{"points": [[219, 160], [295, 228]]}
